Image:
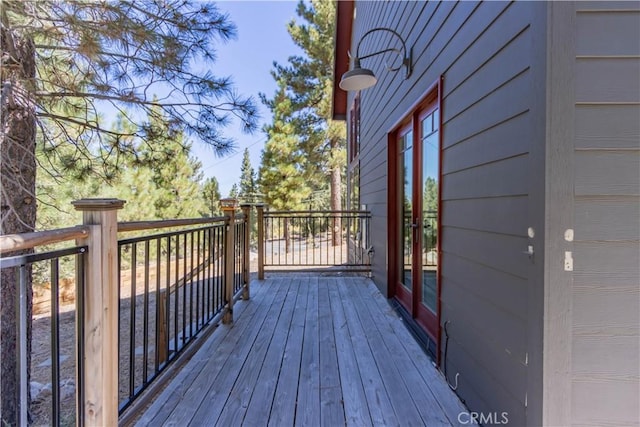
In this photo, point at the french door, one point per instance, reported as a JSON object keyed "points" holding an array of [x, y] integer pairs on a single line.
{"points": [[417, 210]]}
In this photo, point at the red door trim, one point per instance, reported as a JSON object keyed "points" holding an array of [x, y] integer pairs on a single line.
{"points": [[433, 95]]}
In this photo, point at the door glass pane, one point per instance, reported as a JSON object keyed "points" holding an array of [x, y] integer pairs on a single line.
{"points": [[406, 208], [430, 174]]}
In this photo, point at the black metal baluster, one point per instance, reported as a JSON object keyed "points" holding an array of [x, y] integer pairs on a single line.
{"points": [[313, 234], [132, 323], [120, 325], [176, 291], [200, 265], [145, 327], [80, 333], [158, 302], [221, 267], [191, 285], [184, 289], [55, 343]]}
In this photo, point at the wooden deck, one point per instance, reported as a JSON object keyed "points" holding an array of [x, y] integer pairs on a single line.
{"points": [[309, 351]]}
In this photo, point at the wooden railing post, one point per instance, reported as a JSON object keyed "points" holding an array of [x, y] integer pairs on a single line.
{"points": [[229, 210], [246, 210], [99, 373], [260, 210]]}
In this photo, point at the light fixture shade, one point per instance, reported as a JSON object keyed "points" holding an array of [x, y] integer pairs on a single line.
{"points": [[357, 79]]}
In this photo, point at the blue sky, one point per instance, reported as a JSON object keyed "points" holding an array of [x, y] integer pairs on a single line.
{"points": [[262, 39]]}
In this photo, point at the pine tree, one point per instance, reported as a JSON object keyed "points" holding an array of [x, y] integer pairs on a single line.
{"points": [[282, 177], [63, 63], [248, 189], [211, 192], [233, 193], [308, 82]]}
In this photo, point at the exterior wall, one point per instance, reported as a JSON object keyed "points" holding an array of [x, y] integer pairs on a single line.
{"points": [[595, 380], [492, 56]]}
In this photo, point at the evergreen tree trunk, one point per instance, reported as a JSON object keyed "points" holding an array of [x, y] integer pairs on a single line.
{"points": [[336, 191], [17, 200]]}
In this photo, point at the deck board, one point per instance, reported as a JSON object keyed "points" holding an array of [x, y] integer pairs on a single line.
{"points": [[331, 408], [356, 409], [419, 393], [308, 350], [259, 407], [240, 395], [284, 402], [220, 388], [381, 410], [308, 408], [173, 395]]}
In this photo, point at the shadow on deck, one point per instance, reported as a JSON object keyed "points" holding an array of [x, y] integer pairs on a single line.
{"points": [[308, 350]]}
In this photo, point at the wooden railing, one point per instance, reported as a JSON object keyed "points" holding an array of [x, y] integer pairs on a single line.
{"points": [[142, 300], [313, 241], [209, 262]]}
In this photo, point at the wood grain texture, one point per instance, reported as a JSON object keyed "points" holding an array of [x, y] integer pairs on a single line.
{"points": [[173, 394], [16, 242], [607, 127], [222, 387], [606, 402], [423, 398], [611, 263], [607, 173], [558, 199], [190, 393], [308, 405], [613, 6], [380, 407], [606, 33], [399, 395], [246, 382], [254, 373], [617, 80], [286, 393], [259, 407], [331, 401], [433, 378], [607, 218], [605, 386], [356, 408]]}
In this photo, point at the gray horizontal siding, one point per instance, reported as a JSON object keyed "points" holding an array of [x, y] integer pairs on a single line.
{"points": [[607, 126], [484, 51], [604, 79], [605, 348]]}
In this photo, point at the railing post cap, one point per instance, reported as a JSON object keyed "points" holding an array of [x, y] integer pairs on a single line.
{"points": [[245, 205], [229, 204], [98, 204]]}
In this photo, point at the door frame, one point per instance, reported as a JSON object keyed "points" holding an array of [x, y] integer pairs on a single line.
{"points": [[432, 96]]}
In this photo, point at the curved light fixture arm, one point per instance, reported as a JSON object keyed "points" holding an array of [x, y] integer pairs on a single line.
{"points": [[404, 54]]}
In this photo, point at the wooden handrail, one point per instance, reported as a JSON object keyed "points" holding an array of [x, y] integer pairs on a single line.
{"points": [[16, 242], [272, 213], [165, 223]]}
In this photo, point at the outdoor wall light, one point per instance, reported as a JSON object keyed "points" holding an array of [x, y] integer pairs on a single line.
{"points": [[359, 78]]}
